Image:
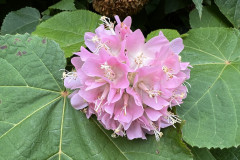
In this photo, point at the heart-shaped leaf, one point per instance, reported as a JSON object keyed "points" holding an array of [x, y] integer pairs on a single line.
{"points": [[38, 122], [212, 108], [21, 21], [68, 29]]}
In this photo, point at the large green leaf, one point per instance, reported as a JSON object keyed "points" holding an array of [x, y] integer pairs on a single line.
{"points": [[211, 17], [38, 122], [212, 108], [21, 21], [231, 9], [68, 29]]}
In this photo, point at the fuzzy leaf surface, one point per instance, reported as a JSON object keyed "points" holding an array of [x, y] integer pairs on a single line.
{"points": [[68, 29], [212, 108]]}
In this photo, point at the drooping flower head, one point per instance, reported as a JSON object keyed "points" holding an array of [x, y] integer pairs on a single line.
{"points": [[129, 84]]}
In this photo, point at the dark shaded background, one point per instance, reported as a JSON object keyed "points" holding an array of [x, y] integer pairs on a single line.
{"points": [[13, 5], [171, 14]]}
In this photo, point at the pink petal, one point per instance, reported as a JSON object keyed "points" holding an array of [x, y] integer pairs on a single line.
{"points": [[151, 102], [114, 95], [85, 54], [77, 101], [134, 42], [135, 131], [152, 114], [176, 45], [128, 21], [77, 62], [92, 68], [88, 41], [155, 45]]}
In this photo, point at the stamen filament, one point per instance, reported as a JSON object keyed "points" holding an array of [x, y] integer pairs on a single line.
{"points": [[125, 101], [173, 119], [151, 93], [107, 23], [157, 133], [117, 130], [103, 96], [108, 72], [71, 75]]}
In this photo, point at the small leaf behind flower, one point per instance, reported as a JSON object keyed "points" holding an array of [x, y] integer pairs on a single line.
{"points": [[68, 29]]}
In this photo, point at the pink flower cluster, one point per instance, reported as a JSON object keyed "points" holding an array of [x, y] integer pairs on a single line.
{"points": [[129, 84]]}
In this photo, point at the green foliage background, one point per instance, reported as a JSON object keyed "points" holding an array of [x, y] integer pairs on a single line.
{"points": [[38, 122]]}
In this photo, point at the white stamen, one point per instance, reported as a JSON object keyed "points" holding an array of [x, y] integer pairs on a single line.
{"points": [[167, 71], [107, 23], [125, 101], [108, 72], [173, 119], [151, 93], [139, 60], [103, 96], [70, 75], [95, 39], [100, 45], [179, 58], [175, 101], [117, 130], [188, 84], [175, 96], [157, 133]]}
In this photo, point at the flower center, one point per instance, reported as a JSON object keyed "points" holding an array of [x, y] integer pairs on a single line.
{"points": [[167, 71], [131, 76], [100, 99], [100, 45], [151, 92], [139, 60], [108, 72]]}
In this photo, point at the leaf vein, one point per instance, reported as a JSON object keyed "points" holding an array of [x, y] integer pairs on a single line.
{"points": [[28, 116]]}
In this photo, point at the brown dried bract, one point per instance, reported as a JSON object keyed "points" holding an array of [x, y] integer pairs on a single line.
{"points": [[122, 8]]}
